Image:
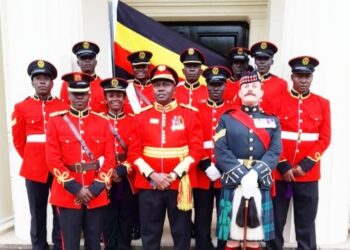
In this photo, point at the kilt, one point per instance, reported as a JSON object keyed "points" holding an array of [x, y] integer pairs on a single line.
{"points": [[225, 214]]}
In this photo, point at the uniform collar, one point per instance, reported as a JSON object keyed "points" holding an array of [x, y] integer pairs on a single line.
{"points": [[297, 95], [116, 117], [167, 108], [37, 98], [138, 83], [192, 85], [250, 110], [94, 76], [78, 113], [264, 77], [214, 104]]}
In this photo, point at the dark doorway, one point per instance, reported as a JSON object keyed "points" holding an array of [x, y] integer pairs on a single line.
{"points": [[217, 36]]}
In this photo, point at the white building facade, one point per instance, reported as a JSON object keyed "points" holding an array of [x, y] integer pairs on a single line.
{"points": [[47, 29]]}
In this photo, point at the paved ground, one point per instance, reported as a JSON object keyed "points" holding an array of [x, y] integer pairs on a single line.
{"points": [[8, 241]]}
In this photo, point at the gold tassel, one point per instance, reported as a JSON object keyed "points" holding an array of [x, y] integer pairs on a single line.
{"points": [[184, 197]]}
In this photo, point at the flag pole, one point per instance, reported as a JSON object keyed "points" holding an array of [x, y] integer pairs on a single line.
{"points": [[112, 7]]}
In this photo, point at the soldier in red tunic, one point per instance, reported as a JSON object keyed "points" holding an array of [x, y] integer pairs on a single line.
{"points": [[191, 92], [273, 86], [86, 54], [139, 91], [120, 213], [208, 176], [29, 124], [165, 148], [80, 154], [306, 134], [239, 59]]}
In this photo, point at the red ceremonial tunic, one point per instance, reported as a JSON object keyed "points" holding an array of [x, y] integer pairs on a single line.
{"points": [[273, 87], [191, 94], [63, 148], [209, 114], [306, 133], [165, 135], [29, 124], [124, 125]]}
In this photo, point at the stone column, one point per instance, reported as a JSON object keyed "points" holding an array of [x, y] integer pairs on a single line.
{"points": [[6, 212], [33, 30], [319, 29]]}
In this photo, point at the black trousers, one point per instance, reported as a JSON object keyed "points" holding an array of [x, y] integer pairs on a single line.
{"points": [[154, 204], [38, 194], [305, 203], [119, 217], [74, 220], [203, 211]]}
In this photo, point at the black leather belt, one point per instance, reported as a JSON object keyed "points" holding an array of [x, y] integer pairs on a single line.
{"points": [[80, 167]]}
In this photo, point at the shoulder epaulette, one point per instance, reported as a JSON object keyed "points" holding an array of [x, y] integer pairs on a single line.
{"points": [[189, 107], [101, 114], [57, 113]]}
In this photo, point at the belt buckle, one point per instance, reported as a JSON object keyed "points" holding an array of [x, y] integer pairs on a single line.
{"points": [[248, 163], [78, 167]]}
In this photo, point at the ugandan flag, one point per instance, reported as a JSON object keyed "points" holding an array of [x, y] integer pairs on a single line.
{"points": [[133, 31]]}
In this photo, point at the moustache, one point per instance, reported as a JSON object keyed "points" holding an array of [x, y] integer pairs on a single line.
{"points": [[250, 93]]}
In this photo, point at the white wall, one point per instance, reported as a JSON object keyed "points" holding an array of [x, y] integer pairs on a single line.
{"points": [[319, 28], [46, 30]]}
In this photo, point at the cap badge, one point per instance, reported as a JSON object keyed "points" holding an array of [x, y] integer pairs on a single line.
{"points": [[190, 51], [215, 70], [142, 55], [77, 78], [161, 67], [263, 45], [114, 83], [86, 45], [305, 61], [240, 51], [41, 64]]}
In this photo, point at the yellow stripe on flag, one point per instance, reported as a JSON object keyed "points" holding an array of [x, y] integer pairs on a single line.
{"points": [[133, 41]]}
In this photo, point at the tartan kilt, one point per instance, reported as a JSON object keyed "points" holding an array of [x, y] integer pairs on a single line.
{"points": [[225, 215]]}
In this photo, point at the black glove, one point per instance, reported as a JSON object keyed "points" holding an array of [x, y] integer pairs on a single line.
{"points": [[233, 177]]}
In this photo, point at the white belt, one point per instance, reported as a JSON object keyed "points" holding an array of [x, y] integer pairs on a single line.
{"points": [[36, 138], [300, 136], [208, 144]]}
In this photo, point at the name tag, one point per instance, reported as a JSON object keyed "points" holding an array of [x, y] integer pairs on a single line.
{"points": [[154, 121], [264, 123]]}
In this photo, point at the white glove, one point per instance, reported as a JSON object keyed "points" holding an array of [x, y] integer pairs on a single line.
{"points": [[101, 160], [249, 184], [212, 172], [182, 168]]}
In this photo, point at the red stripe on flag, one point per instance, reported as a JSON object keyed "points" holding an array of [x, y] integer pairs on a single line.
{"points": [[120, 58]]}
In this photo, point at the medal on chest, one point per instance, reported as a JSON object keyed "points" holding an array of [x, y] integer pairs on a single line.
{"points": [[177, 123]]}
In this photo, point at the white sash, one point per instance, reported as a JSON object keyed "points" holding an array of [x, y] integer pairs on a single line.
{"points": [[133, 99]]}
